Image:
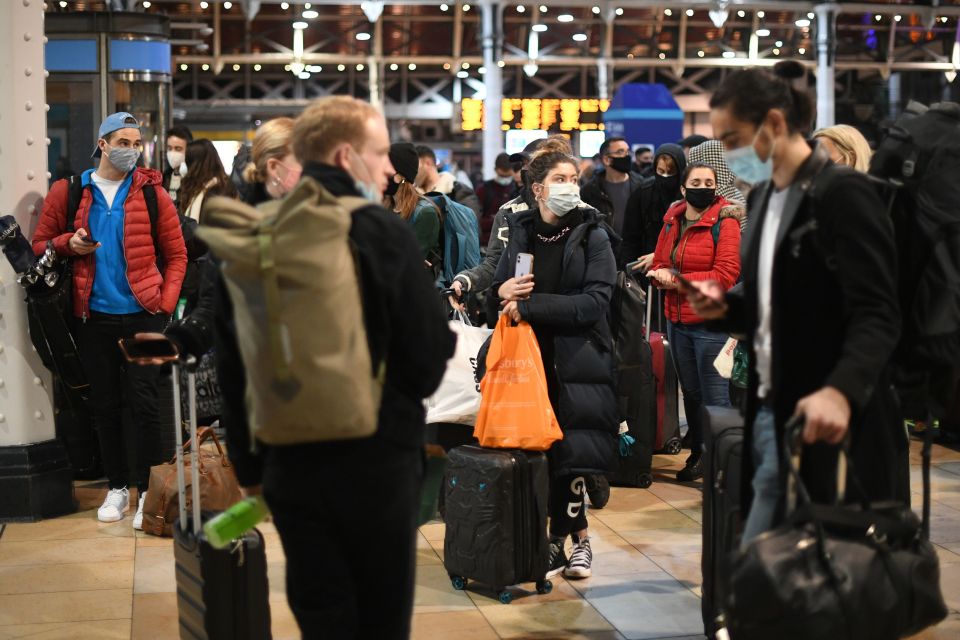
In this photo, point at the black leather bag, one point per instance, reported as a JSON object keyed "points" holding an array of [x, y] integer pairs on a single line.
{"points": [[865, 572]]}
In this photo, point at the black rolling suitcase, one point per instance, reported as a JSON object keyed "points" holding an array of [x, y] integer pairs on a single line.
{"points": [[723, 433], [221, 593], [496, 518]]}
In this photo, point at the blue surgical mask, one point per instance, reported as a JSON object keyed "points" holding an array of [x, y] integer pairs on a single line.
{"points": [[746, 164], [504, 181], [123, 160], [369, 192]]}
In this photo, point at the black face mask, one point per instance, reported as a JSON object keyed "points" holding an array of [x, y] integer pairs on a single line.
{"points": [[700, 199], [644, 165], [621, 164], [392, 188], [668, 184]]}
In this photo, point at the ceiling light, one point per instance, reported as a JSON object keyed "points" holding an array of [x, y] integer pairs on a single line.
{"points": [[444, 7], [446, 66], [761, 14], [878, 17], [897, 18], [236, 67], [412, 66], [394, 66], [579, 37], [811, 15], [944, 19], [501, 64], [701, 53], [146, 4], [63, 4], [205, 67], [690, 13], [543, 8], [729, 54], [663, 56], [741, 14], [284, 6], [341, 67], [539, 28], [304, 75], [203, 5], [763, 33], [619, 11], [227, 6], [482, 70], [373, 10], [802, 23], [314, 68], [363, 36], [465, 65], [466, 7], [310, 14], [801, 51], [668, 12], [596, 10], [300, 24], [360, 67], [776, 52], [183, 67], [521, 8], [287, 67], [257, 67], [307, 5], [462, 74], [530, 69], [779, 43], [564, 17]]}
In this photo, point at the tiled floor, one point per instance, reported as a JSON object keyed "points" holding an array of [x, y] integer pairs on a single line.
{"points": [[73, 578]]}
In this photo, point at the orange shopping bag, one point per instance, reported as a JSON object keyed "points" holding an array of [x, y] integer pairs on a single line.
{"points": [[515, 411]]}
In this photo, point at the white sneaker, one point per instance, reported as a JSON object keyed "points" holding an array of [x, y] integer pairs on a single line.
{"points": [[138, 518], [114, 506]]}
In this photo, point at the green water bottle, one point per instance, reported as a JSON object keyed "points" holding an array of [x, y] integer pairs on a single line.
{"points": [[235, 521]]}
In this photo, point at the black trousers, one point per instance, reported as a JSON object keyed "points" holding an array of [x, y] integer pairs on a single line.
{"points": [[347, 517], [568, 509], [110, 376]]}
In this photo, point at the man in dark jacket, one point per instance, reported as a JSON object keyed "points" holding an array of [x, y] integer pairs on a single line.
{"points": [[610, 190], [494, 193], [347, 511]]}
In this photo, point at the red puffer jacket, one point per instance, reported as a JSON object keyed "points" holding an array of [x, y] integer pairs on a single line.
{"points": [[156, 293], [698, 256]]}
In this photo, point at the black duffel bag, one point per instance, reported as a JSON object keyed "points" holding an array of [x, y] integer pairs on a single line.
{"points": [[864, 572]]}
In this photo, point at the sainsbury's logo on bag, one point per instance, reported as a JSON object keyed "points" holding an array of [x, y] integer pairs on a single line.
{"points": [[522, 363]]}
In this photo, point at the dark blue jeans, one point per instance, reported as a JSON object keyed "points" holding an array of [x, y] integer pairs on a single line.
{"points": [[694, 350]]}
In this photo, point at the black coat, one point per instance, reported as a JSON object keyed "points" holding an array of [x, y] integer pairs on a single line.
{"points": [[405, 321], [586, 406], [645, 210], [835, 322], [596, 196]]}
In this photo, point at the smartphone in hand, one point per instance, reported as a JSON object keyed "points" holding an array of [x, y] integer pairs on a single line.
{"points": [[88, 239], [524, 265], [138, 350], [683, 284]]}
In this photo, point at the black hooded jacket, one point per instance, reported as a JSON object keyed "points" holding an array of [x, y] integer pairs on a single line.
{"points": [[576, 319], [646, 208]]}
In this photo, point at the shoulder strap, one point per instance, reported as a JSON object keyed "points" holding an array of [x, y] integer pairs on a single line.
{"points": [[74, 196]]}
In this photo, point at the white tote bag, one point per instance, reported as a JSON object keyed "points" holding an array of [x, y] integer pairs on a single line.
{"points": [[457, 400], [724, 361]]}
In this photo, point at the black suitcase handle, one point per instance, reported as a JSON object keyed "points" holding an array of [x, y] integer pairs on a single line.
{"points": [[190, 363]]}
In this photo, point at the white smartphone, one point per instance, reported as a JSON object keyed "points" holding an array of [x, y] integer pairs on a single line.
{"points": [[524, 265]]}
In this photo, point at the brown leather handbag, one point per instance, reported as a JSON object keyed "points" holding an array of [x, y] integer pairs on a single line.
{"points": [[219, 488]]}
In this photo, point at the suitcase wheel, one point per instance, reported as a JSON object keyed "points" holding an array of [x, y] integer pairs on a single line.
{"points": [[644, 480], [459, 582], [673, 446], [544, 587], [505, 597]]}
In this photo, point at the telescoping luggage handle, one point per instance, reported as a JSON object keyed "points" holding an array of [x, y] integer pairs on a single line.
{"points": [[191, 367], [649, 308]]}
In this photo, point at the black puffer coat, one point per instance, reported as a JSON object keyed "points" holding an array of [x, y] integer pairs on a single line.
{"points": [[586, 406]]}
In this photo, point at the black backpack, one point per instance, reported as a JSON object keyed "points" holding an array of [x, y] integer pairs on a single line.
{"points": [[918, 164]]}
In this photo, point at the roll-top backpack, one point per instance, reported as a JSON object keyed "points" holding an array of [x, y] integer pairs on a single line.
{"points": [[459, 236], [293, 280]]}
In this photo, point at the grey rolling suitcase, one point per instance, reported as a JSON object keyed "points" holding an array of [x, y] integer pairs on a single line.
{"points": [[221, 593]]}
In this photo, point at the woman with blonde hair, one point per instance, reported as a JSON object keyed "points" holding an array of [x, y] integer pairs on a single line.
{"points": [[403, 197], [273, 170], [846, 146]]}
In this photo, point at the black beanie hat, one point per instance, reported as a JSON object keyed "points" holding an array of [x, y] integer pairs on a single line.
{"points": [[403, 157]]}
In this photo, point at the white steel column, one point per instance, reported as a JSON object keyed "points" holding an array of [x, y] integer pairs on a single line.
{"points": [[826, 62], [492, 36], [25, 412]]}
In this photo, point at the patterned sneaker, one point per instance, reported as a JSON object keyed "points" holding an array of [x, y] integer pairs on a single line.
{"points": [[114, 505], [580, 559], [558, 559]]}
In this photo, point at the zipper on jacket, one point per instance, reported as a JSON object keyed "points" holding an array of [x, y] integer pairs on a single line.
{"points": [[126, 263], [88, 290]]}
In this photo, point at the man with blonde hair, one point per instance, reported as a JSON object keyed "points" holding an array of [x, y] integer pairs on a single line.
{"points": [[347, 510]]}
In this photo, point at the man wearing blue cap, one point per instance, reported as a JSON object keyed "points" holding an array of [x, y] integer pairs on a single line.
{"points": [[129, 260]]}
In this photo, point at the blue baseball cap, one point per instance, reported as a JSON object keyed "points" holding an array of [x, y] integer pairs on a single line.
{"points": [[115, 122]]}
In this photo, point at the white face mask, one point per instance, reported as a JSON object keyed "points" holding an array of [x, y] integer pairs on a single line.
{"points": [[563, 198], [183, 169], [175, 159]]}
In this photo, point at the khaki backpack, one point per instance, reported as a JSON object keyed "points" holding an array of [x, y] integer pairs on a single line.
{"points": [[293, 280]]}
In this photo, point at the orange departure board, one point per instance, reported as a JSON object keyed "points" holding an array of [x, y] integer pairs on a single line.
{"points": [[548, 114]]}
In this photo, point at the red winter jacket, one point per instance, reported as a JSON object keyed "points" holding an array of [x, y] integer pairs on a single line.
{"points": [[698, 257], [156, 292]]}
